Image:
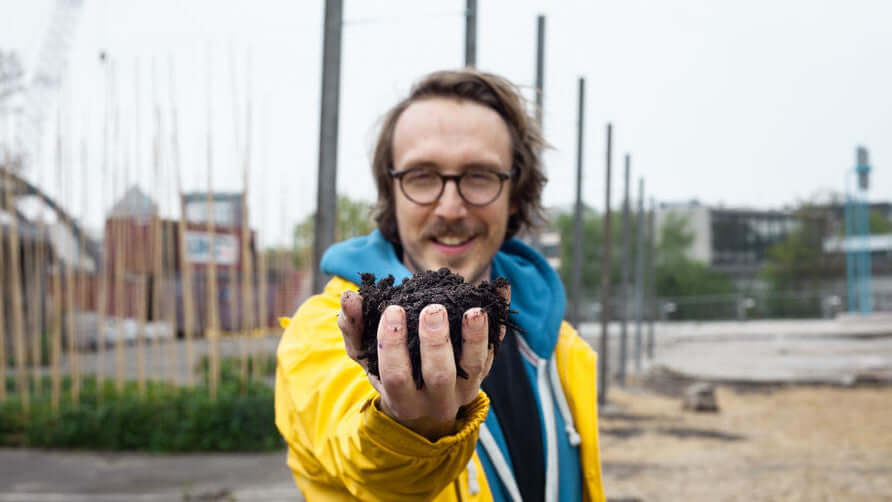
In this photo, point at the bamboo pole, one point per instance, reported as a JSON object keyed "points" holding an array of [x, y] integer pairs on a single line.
{"points": [[16, 293], [213, 330], [3, 284], [114, 235], [185, 263], [169, 347], [120, 229], [40, 281], [141, 298], [32, 332], [262, 269], [142, 255], [247, 260], [56, 339], [157, 273], [102, 271], [236, 280], [80, 279], [73, 360]]}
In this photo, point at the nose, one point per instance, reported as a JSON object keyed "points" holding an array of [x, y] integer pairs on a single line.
{"points": [[450, 205]]}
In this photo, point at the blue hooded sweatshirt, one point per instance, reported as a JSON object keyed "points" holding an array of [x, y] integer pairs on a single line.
{"points": [[537, 295]]}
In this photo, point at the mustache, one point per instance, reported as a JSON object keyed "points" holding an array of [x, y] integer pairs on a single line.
{"points": [[460, 228]]}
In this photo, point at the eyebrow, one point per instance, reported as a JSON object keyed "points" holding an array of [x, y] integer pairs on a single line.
{"points": [[464, 167]]}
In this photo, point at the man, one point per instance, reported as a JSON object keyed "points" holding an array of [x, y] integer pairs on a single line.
{"points": [[458, 175]]}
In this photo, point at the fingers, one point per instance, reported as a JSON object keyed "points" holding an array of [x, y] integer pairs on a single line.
{"points": [[474, 355], [350, 324], [394, 367], [437, 360]]}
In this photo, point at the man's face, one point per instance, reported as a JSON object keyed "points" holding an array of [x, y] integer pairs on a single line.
{"points": [[451, 137]]}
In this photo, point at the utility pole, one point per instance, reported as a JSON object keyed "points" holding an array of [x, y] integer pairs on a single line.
{"points": [[540, 97], [651, 276], [540, 68], [326, 192], [576, 282], [627, 263], [605, 274], [639, 275], [470, 33]]}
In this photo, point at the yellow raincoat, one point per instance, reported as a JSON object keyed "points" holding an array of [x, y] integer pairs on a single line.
{"points": [[341, 447]]}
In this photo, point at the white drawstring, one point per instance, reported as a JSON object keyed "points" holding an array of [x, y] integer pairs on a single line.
{"points": [[473, 484], [561, 398]]}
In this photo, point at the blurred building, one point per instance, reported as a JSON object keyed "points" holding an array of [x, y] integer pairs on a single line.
{"points": [[213, 234], [732, 241], [737, 241]]}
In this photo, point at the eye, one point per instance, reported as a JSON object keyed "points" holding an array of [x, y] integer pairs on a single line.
{"points": [[480, 177]]}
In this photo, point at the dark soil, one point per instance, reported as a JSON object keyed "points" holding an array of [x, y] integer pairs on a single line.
{"points": [[422, 289]]}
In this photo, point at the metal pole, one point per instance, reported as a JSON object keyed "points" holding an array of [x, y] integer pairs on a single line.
{"points": [[540, 67], [605, 275], [639, 275], [326, 198], [576, 280], [470, 33], [540, 96], [651, 280], [627, 263]]}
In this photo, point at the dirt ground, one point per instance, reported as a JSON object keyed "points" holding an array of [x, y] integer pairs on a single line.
{"points": [[803, 443]]}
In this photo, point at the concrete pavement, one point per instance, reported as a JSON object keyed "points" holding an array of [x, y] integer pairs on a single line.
{"points": [[29, 475]]}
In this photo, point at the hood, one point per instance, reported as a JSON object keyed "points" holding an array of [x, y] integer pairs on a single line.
{"points": [[537, 293]]}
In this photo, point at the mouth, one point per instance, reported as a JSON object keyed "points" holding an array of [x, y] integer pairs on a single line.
{"points": [[452, 245]]}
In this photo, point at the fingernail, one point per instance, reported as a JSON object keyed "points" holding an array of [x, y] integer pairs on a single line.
{"points": [[393, 317], [474, 318], [435, 318]]}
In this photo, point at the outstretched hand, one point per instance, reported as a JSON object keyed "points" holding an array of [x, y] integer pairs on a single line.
{"points": [[431, 410]]}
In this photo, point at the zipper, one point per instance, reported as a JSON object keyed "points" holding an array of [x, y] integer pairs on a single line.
{"points": [[457, 489]]}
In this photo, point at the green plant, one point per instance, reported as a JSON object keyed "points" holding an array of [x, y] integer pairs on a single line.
{"points": [[166, 419]]}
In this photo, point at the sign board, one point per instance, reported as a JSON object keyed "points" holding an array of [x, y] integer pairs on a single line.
{"points": [[872, 243], [198, 245]]}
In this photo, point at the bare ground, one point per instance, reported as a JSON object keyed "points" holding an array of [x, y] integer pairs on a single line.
{"points": [[795, 443]]}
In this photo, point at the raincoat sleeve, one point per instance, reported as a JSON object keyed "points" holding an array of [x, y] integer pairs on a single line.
{"points": [[340, 445]]}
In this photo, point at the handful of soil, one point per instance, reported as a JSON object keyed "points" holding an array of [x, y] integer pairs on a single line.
{"points": [[422, 289]]}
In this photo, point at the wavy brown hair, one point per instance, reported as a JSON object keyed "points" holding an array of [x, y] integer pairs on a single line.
{"points": [[493, 92]]}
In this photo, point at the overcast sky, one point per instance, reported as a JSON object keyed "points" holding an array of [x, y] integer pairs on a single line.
{"points": [[747, 103]]}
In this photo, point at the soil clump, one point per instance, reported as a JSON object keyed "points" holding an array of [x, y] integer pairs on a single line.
{"points": [[422, 289]]}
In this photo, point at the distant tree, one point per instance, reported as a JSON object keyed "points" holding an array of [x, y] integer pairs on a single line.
{"points": [[798, 265], [676, 274], [592, 249], [353, 219], [879, 223]]}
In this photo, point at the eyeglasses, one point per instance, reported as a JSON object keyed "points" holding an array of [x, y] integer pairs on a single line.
{"points": [[477, 186]]}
